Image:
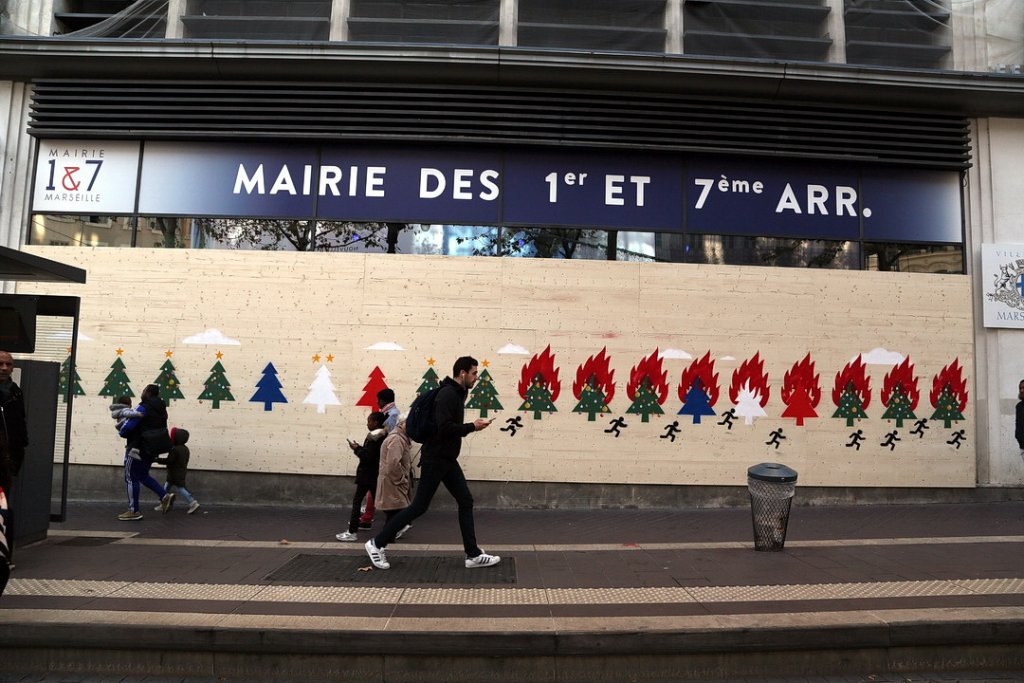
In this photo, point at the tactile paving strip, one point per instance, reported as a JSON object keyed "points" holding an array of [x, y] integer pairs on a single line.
{"points": [[442, 595], [432, 569]]}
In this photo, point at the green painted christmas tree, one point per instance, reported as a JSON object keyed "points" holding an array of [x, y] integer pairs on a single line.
{"points": [[947, 408], [899, 407], [216, 387], [850, 406], [116, 383], [484, 396], [430, 381], [538, 398], [592, 400], [646, 402], [170, 388], [65, 375]]}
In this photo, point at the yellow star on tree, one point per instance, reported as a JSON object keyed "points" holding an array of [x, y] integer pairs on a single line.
{"points": [[219, 355], [316, 357], [168, 353], [431, 361], [120, 351], [330, 358], [486, 363]]}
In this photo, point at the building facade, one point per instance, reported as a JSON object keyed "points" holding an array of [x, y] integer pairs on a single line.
{"points": [[681, 237]]}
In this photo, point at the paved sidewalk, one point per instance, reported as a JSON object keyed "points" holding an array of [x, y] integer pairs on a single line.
{"points": [[604, 595]]}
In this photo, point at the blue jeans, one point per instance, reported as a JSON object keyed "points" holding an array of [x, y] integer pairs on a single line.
{"points": [[433, 473], [181, 492]]}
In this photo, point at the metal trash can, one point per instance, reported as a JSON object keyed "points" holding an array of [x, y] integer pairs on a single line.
{"points": [[772, 487]]}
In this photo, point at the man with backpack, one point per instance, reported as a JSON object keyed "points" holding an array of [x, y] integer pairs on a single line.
{"points": [[439, 462]]}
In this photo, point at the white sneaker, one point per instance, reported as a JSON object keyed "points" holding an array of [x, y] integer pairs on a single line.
{"points": [[346, 536], [159, 508], [192, 507], [482, 560], [402, 531], [377, 555]]}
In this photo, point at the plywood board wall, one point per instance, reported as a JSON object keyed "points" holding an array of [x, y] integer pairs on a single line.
{"points": [[303, 312]]}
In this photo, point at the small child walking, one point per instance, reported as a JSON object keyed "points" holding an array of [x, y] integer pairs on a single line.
{"points": [[121, 411], [176, 462], [366, 472]]}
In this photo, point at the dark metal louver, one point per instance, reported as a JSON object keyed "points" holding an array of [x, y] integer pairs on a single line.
{"points": [[258, 20], [492, 114], [904, 33], [765, 29]]}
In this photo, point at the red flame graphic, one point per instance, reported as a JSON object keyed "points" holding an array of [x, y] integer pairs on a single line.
{"points": [[853, 375], [650, 369], [901, 376], [704, 370], [542, 366], [750, 375], [597, 369], [801, 391], [951, 376]]}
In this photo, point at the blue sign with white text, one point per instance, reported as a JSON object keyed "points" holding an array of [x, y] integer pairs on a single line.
{"points": [[620, 190], [593, 190], [409, 185], [783, 200], [267, 181]]}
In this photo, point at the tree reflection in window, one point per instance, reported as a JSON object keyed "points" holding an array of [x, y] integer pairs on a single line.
{"points": [[541, 243], [300, 235], [794, 253]]}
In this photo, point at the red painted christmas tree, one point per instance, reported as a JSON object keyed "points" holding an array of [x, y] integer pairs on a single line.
{"points": [[376, 383], [801, 391]]}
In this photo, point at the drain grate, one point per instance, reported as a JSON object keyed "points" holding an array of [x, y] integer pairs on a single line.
{"points": [[341, 569], [87, 541]]}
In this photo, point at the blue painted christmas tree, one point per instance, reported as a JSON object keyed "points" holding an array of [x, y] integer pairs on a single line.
{"points": [[696, 403], [268, 389]]}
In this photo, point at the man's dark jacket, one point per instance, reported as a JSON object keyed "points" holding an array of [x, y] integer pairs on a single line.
{"points": [[13, 430], [1019, 430], [449, 408], [154, 417]]}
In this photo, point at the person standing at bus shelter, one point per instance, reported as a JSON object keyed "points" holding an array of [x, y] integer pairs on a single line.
{"points": [[13, 436]]}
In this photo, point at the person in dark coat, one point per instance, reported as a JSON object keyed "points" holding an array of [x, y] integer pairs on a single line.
{"points": [[1019, 427], [6, 537], [177, 470], [136, 470], [366, 472], [13, 439], [439, 465], [13, 428]]}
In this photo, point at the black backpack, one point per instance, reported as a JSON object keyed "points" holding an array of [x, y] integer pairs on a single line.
{"points": [[420, 424]]}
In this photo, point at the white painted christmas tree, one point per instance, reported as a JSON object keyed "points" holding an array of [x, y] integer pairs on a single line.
{"points": [[748, 405], [321, 391]]}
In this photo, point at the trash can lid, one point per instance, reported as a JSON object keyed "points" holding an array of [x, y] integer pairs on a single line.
{"points": [[772, 471]]}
